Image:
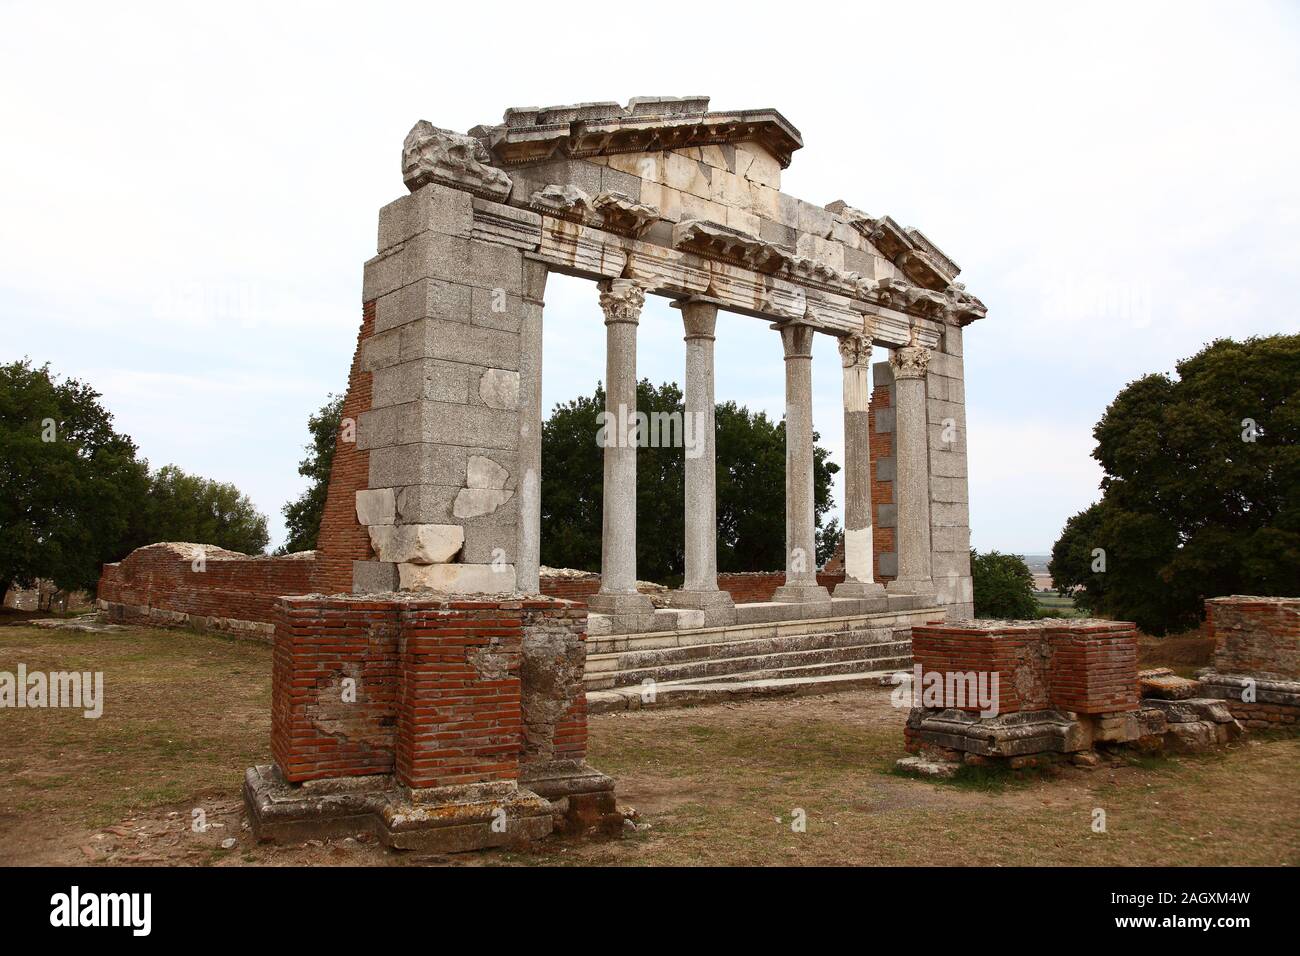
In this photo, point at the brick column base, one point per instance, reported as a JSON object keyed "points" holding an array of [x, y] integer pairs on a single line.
{"points": [[439, 723]]}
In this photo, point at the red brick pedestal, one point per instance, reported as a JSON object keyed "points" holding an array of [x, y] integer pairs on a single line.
{"points": [[442, 723], [1256, 670]]}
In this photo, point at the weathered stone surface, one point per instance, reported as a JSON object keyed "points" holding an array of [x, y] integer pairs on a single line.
{"points": [[376, 506], [1167, 685], [417, 543], [458, 578], [499, 388], [433, 155]]}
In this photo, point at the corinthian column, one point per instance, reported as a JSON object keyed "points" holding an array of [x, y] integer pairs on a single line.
{"points": [[859, 581], [700, 588], [621, 300], [800, 523], [912, 481]]}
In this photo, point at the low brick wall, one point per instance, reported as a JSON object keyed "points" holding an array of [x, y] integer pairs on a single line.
{"points": [[570, 588], [756, 587], [1085, 666], [188, 585], [440, 692]]}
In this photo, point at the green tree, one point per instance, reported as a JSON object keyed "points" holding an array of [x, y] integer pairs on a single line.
{"points": [[1003, 586], [70, 485], [303, 515], [1201, 493], [183, 507], [750, 488]]}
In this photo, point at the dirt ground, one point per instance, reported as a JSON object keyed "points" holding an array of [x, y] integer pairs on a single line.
{"points": [[185, 713]]}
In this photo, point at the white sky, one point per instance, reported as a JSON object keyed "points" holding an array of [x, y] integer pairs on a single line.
{"points": [[187, 197]]}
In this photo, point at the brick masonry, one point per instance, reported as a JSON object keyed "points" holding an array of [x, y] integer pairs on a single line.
{"points": [[204, 587], [342, 539], [447, 692], [1256, 669], [1087, 666]]}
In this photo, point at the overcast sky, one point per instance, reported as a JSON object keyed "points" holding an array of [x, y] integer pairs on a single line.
{"points": [[187, 198]]}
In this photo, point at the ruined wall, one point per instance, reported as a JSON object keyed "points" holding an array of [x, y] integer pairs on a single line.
{"points": [[1084, 666], [884, 511], [949, 498], [1256, 669], [343, 540], [1255, 635], [201, 586], [748, 587]]}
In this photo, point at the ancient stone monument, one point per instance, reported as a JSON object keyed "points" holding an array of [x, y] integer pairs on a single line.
{"points": [[468, 722], [659, 197]]}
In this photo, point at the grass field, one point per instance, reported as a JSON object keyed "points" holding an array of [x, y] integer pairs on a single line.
{"points": [[186, 713]]}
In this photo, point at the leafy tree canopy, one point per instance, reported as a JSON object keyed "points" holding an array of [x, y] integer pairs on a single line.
{"points": [[302, 516], [74, 496], [1003, 586], [1201, 494], [750, 488]]}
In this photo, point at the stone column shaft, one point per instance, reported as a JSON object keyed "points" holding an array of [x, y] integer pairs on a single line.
{"points": [[621, 300], [912, 482], [700, 587], [800, 519], [859, 579]]}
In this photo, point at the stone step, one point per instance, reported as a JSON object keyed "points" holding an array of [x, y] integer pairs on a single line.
{"points": [[691, 694], [890, 664], [625, 643], [715, 666], [752, 647]]}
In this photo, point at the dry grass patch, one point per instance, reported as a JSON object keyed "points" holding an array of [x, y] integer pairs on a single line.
{"points": [[186, 713]]}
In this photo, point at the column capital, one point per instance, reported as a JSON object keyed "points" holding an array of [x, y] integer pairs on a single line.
{"points": [[797, 339], [621, 300], [855, 349], [910, 361], [699, 316]]}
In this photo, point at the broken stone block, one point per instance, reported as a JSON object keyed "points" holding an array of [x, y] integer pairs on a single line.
{"points": [[1187, 711], [458, 578], [483, 472], [417, 543], [925, 767], [474, 502], [1167, 686], [1191, 736], [378, 506]]}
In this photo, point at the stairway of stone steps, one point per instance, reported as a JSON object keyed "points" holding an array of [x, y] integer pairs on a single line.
{"points": [[682, 668]]}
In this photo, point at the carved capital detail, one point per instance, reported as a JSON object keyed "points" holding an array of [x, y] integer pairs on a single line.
{"points": [[797, 338], [910, 361], [855, 350], [433, 155], [621, 300]]}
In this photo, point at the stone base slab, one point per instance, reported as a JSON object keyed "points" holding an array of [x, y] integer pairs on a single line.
{"points": [[626, 613], [1183, 726], [718, 607], [582, 798], [445, 820], [859, 589], [1257, 702], [801, 594]]}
